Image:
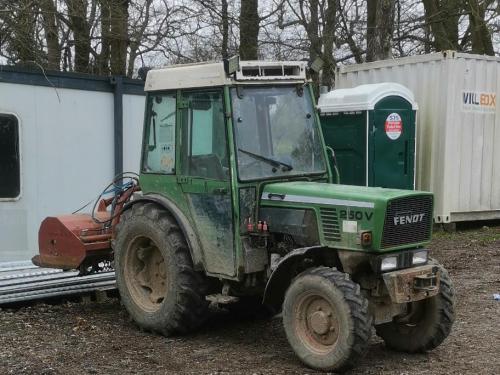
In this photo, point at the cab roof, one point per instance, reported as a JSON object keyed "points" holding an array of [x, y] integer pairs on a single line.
{"points": [[214, 74]]}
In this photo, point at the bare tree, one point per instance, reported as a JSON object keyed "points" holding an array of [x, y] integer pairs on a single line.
{"points": [[219, 17], [350, 21], [225, 29], [102, 61], [379, 30], [319, 20], [49, 16], [443, 17], [19, 29], [114, 36], [249, 29], [329, 28], [80, 26], [138, 27], [119, 36], [480, 34]]}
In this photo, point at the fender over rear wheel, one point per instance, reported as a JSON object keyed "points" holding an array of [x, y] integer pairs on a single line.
{"points": [[154, 272]]}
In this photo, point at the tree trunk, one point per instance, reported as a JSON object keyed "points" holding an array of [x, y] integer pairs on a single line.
{"points": [[380, 27], [371, 24], [249, 29], [103, 58], [77, 10], [315, 43], [328, 43], [49, 13], [225, 29], [442, 17], [481, 37], [23, 44], [119, 36], [136, 37]]}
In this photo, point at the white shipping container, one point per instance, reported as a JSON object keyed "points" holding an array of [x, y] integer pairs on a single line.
{"points": [[458, 127]]}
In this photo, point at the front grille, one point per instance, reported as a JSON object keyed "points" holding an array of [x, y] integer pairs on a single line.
{"points": [[407, 220], [330, 224]]}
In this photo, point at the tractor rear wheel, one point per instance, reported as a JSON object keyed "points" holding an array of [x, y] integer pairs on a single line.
{"points": [[154, 272], [426, 325], [326, 319]]}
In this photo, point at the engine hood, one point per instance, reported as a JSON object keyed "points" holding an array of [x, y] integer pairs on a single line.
{"points": [[398, 219], [332, 194]]}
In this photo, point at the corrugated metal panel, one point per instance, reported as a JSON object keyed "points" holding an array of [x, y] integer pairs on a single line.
{"points": [[22, 281], [455, 142]]}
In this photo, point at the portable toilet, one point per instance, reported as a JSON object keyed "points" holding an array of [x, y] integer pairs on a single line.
{"points": [[372, 130]]}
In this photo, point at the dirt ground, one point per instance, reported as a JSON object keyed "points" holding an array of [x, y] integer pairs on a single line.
{"points": [[98, 338]]}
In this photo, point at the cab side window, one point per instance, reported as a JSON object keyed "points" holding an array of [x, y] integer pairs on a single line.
{"points": [[204, 146], [159, 152]]}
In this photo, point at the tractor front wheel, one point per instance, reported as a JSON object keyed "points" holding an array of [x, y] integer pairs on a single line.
{"points": [[326, 319], [154, 272]]}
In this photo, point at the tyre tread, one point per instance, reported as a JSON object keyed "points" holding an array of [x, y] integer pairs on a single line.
{"points": [[190, 308], [442, 325], [358, 305]]}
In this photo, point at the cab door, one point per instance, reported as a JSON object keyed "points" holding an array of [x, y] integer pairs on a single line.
{"points": [[204, 176]]}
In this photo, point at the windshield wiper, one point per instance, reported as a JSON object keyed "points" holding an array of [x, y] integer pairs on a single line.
{"points": [[275, 163]]}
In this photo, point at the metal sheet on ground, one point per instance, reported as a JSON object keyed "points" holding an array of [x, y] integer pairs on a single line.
{"points": [[22, 281]]}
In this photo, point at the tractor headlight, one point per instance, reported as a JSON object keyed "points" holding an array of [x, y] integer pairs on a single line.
{"points": [[419, 257], [389, 263]]}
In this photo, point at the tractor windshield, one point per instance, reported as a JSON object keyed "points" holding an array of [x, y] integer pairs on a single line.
{"points": [[276, 132]]}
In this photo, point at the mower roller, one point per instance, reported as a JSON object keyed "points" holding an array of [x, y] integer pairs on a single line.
{"points": [[82, 241]]}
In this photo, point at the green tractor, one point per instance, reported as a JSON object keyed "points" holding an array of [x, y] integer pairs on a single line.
{"points": [[239, 205]]}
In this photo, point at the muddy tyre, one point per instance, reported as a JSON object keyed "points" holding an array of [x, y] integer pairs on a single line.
{"points": [[326, 319], [428, 323], [154, 272]]}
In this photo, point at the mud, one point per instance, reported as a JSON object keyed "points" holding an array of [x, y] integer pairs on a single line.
{"points": [[67, 337]]}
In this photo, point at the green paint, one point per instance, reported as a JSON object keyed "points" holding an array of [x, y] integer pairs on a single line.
{"points": [[392, 161], [360, 140], [356, 199], [346, 134], [211, 199]]}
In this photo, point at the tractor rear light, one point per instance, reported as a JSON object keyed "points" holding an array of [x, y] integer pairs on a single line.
{"points": [[366, 238], [249, 224]]}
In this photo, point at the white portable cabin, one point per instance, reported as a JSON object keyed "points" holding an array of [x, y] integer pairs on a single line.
{"points": [[63, 136], [458, 127]]}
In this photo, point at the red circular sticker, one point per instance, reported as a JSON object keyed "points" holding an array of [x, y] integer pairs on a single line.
{"points": [[393, 126]]}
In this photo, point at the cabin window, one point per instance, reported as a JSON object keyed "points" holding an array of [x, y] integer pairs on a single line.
{"points": [[204, 136], [159, 153], [10, 176]]}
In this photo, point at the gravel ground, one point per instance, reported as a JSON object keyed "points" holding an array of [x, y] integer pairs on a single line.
{"points": [[98, 338]]}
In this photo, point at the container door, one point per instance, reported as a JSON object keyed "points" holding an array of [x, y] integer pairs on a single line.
{"points": [[393, 148], [204, 177]]}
